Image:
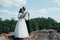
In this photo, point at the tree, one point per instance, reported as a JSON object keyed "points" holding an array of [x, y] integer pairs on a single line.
{"points": [[34, 24]]}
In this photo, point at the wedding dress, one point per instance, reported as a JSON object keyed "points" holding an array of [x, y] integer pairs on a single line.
{"points": [[21, 30]]}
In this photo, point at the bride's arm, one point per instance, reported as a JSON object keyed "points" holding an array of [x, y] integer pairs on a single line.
{"points": [[19, 15]]}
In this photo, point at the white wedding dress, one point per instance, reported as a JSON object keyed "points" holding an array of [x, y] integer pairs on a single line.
{"points": [[21, 30]]}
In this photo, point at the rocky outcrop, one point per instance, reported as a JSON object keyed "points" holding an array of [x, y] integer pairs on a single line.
{"points": [[45, 35], [5, 36], [36, 35]]}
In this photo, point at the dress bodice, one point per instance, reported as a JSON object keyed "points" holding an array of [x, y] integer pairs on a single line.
{"points": [[20, 15]]}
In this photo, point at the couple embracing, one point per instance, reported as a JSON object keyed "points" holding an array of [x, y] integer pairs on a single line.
{"points": [[22, 27]]}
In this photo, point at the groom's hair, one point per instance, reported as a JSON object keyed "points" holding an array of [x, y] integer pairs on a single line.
{"points": [[24, 8]]}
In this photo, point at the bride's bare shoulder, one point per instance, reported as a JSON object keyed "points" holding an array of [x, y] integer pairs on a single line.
{"points": [[20, 13]]}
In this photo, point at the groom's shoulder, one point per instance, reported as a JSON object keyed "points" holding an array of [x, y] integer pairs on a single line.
{"points": [[27, 12]]}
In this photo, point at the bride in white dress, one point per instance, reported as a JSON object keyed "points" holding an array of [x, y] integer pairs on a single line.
{"points": [[21, 30]]}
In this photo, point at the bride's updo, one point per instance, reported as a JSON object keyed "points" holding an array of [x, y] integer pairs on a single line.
{"points": [[20, 10]]}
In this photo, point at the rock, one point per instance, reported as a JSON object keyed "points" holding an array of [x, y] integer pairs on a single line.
{"points": [[39, 35], [44, 35], [36, 35], [9, 36], [5, 36]]}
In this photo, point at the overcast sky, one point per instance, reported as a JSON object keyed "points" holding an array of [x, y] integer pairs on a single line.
{"points": [[37, 8]]}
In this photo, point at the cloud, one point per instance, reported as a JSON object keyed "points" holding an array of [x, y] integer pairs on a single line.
{"points": [[17, 3], [42, 11], [38, 13], [7, 14], [56, 2], [53, 12], [54, 9], [56, 18]]}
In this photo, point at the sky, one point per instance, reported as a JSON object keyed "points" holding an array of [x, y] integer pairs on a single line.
{"points": [[37, 8]]}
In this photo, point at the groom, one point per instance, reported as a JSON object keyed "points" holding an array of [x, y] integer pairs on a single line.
{"points": [[26, 18]]}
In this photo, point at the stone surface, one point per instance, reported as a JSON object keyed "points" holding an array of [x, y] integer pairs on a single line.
{"points": [[44, 35], [36, 35]]}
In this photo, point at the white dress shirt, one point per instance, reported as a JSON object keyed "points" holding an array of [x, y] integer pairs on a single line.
{"points": [[27, 15]]}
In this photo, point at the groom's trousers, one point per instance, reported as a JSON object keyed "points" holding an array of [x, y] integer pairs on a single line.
{"points": [[27, 23]]}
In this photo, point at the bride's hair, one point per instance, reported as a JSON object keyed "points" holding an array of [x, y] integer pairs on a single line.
{"points": [[20, 10]]}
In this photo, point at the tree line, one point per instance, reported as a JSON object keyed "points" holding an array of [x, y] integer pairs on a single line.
{"points": [[34, 24]]}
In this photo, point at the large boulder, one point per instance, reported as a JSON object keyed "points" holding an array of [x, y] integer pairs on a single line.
{"points": [[45, 35], [39, 35]]}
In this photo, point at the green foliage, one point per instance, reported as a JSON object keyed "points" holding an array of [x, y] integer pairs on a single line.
{"points": [[34, 24], [44, 23], [7, 25]]}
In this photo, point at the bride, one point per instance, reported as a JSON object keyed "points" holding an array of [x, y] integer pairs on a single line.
{"points": [[21, 28]]}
